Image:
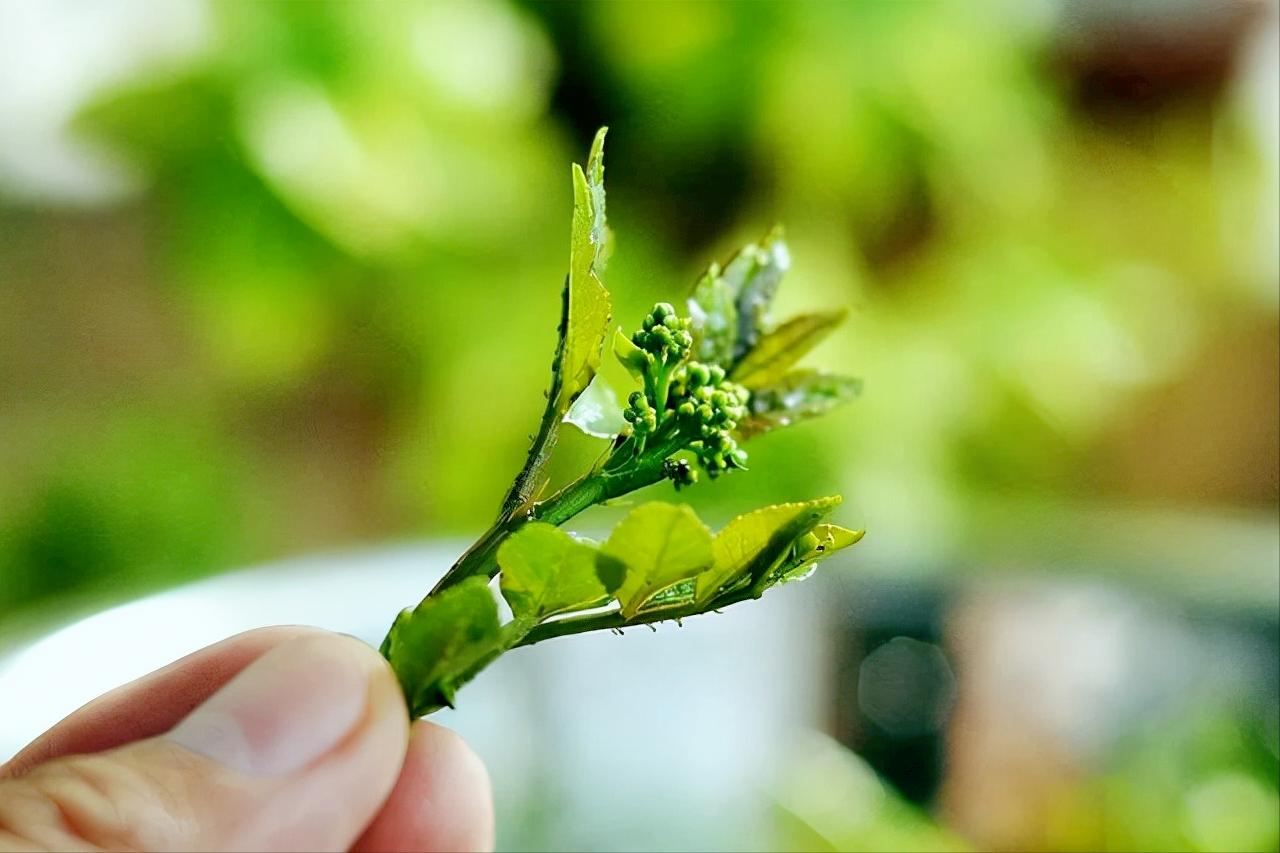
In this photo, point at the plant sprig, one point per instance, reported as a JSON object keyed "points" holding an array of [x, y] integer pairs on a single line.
{"points": [[707, 382]]}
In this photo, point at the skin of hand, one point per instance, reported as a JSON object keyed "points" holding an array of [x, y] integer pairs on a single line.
{"points": [[276, 739]]}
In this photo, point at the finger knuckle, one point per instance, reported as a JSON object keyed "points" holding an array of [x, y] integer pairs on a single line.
{"points": [[101, 803]]}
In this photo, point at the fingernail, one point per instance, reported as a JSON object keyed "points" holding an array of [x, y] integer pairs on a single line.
{"points": [[285, 710]]}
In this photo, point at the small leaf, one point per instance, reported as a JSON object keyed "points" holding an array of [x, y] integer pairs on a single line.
{"points": [[729, 307], [798, 396], [823, 541], [754, 275], [597, 411], [630, 356], [660, 544], [776, 352], [545, 572], [754, 544], [432, 646], [714, 314]]}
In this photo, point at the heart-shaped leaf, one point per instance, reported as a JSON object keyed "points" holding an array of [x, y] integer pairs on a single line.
{"points": [[776, 352], [660, 544], [545, 572]]}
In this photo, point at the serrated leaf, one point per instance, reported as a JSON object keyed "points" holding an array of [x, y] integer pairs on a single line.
{"points": [[660, 544], [432, 646], [596, 411], [584, 322], [630, 356], [714, 312], [754, 276], [798, 396], [755, 543], [587, 309], [777, 351], [546, 572], [823, 541]]}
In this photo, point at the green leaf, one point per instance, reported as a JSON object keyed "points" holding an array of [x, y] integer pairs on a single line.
{"points": [[730, 307], [776, 352], [798, 396], [714, 314], [820, 543], [432, 647], [660, 544], [545, 572], [584, 322], [753, 276], [587, 309], [630, 356], [596, 411], [754, 544], [600, 235]]}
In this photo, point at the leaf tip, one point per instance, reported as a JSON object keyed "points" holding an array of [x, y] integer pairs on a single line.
{"points": [[595, 159]]}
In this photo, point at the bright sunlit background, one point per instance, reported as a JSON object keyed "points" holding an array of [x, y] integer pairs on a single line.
{"points": [[279, 279]]}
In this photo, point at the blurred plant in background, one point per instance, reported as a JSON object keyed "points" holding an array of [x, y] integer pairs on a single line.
{"points": [[242, 247]]}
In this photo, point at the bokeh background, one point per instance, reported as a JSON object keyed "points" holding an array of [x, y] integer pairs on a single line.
{"points": [[281, 278]]}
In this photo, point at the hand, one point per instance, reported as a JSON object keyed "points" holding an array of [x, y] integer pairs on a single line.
{"points": [[277, 739]]}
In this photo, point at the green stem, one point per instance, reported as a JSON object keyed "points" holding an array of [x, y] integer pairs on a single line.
{"points": [[662, 389], [605, 485], [614, 619], [539, 452]]}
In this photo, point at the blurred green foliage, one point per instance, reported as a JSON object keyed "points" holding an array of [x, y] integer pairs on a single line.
{"points": [[350, 221]]}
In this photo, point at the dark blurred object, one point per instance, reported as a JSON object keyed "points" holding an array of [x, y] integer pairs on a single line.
{"points": [[894, 685], [1064, 716], [1138, 57]]}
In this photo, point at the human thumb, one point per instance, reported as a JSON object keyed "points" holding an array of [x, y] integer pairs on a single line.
{"points": [[297, 752]]}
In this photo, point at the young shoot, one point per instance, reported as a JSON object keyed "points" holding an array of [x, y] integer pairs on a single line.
{"points": [[707, 381]]}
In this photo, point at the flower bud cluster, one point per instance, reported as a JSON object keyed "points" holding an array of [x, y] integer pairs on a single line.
{"points": [[640, 414], [709, 407], [664, 335], [685, 404]]}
